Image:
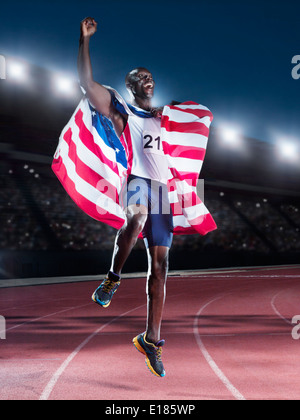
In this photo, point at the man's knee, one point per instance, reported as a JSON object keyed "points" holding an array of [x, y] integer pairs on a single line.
{"points": [[159, 267], [156, 281], [135, 223]]}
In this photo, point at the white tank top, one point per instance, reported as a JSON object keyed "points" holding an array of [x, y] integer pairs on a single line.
{"points": [[147, 159]]}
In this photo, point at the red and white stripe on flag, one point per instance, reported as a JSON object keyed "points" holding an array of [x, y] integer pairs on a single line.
{"points": [[185, 131], [86, 167]]}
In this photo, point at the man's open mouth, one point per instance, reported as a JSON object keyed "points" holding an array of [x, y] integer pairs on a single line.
{"points": [[149, 86]]}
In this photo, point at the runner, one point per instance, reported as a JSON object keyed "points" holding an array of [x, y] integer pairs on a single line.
{"points": [[145, 196]]}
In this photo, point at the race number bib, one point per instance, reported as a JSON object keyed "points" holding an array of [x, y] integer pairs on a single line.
{"points": [[152, 143]]}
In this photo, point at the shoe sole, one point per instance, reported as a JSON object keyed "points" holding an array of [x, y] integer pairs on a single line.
{"points": [[141, 350], [98, 303]]}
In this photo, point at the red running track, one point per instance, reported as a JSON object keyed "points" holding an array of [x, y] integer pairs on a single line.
{"points": [[228, 336]]}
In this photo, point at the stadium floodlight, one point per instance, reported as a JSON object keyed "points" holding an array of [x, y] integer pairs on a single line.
{"points": [[288, 150], [17, 71], [64, 85], [230, 136]]}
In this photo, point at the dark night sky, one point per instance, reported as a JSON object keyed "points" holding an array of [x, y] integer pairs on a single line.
{"points": [[232, 56]]}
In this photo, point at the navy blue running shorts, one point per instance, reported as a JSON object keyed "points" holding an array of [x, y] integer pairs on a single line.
{"points": [[158, 229]]}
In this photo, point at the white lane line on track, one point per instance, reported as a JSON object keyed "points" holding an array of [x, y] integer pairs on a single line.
{"points": [[29, 360], [276, 310], [43, 317], [218, 372], [266, 276], [51, 384], [237, 270], [210, 335], [34, 303]]}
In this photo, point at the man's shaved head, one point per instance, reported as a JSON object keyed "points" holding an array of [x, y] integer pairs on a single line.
{"points": [[131, 77]]}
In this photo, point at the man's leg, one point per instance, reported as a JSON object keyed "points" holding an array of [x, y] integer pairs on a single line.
{"points": [[149, 343], [158, 257], [136, 216]]}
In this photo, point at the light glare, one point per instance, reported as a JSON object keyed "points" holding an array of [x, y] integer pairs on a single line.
{"points": [[230, 136], [64, 85], [17, 71], [288, 150]]}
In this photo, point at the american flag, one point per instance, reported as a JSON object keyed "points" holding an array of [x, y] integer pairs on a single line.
{"points": [[91, 163]]}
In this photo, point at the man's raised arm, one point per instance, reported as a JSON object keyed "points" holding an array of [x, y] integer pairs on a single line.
{"points": [[97, 94]]}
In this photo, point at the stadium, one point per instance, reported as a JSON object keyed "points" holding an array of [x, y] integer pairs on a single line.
{"points": [[57, 254], [251, 187]]}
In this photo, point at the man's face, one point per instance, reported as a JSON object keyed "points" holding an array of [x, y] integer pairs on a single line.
{"points": [[142, 83]]}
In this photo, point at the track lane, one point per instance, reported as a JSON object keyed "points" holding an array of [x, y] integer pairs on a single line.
{"points": [[243, 335]]}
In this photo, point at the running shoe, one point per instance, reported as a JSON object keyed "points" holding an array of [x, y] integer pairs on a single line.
{"points": [[152, 353], [104, 294]]}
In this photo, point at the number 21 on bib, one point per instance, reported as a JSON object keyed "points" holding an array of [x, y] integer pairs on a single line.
{"points": [[152, 143]]}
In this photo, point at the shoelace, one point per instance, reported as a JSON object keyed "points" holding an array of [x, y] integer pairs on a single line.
{"points": [[158, 351], [108, 285]]}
